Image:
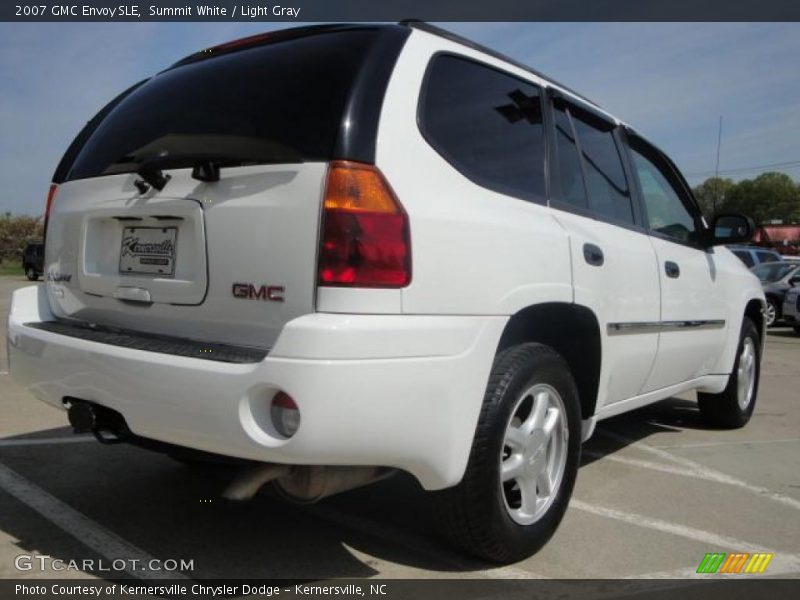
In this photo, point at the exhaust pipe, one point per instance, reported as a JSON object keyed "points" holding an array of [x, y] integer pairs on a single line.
{"points": [[302, 484], [307, 485], [107, 425], [250, 479], [81, 417]]}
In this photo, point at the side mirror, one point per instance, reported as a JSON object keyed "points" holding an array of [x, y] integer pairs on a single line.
{"points": [[794, 281], [731, 229]]}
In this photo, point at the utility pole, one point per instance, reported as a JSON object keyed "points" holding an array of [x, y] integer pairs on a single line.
{"points": [[716, 169]]}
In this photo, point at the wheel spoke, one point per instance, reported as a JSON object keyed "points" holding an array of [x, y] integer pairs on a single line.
{"points": [[551, 421], [536, 419], [512, 467], [527, 490], [544, 485], [516, 438]]}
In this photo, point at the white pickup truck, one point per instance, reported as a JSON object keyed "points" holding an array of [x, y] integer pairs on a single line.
{"points": [[337, 251]]}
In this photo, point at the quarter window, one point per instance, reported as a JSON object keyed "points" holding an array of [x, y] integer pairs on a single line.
{"points": [[665, 201], [485, 123]]}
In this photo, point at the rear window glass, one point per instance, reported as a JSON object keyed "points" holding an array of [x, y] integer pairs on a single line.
{"points": [[280, 102], [487, 124]]}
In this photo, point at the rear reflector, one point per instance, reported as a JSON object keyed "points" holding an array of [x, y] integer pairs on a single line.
{"points": [[365, 239], [51, 195], [285, 414]]}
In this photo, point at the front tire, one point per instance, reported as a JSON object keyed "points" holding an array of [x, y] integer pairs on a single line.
{"points": [[31, 273], [523, 461], [733, 407]]}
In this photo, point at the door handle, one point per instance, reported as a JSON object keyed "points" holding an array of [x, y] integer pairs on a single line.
{"points": [[593, 255], [672, 269]]}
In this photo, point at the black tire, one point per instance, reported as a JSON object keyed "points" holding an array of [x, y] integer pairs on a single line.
{"points": [[31, 273], [724, 409], [773, 312], [474, 513], [797, 329]]}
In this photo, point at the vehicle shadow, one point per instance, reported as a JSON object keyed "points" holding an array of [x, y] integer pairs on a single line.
{"points": [[169, 510]]}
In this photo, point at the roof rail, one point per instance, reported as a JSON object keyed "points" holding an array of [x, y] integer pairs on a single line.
{"points": [[454, 37]]}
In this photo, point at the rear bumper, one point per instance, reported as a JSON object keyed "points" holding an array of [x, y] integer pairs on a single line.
{"points": [[395, 391]]}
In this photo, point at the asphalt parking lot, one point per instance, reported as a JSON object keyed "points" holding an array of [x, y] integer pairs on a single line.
{"points": [[656, 491]]}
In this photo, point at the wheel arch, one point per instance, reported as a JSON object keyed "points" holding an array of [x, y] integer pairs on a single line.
{"points": [[571, 330], [754, 310]]}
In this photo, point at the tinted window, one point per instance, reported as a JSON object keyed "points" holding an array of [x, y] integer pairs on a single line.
{"points": [[272, 103], [569, 176], [609, 195], [773, 271], [487, 124], [766, 257], [666, 211], [745, 257]]}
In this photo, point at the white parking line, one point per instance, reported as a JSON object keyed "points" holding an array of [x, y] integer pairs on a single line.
{"points": [[741, 443], [77, 439], [81, 527], [3, 372], [654, 466], [782, 564], [699, 535], [706, 472]]}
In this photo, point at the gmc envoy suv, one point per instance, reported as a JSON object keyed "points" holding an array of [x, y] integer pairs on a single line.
{"points": [[329, 253]]}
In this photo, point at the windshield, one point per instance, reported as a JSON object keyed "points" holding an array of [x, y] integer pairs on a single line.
{"points": [[773, 271], [280, 102]]}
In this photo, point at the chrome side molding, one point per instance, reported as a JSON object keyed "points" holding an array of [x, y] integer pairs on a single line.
{"points": [[662, 326]]}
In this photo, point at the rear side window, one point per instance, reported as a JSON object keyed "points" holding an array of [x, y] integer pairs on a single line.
{"points": [[585, 145], [744, 257], [765, 257], [609, 195], [569, 176], [485, 123], [280, 102]]}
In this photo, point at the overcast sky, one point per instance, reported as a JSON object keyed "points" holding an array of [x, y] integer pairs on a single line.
{"points": [[670, 81]]}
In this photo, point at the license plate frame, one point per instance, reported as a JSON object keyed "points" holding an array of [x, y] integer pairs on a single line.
{"points": [[148, 251]]}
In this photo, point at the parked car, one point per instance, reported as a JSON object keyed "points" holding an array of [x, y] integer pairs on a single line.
{"points": [[33, 260], [752, 255], [791, 308], [777, 278], [369, 265]]}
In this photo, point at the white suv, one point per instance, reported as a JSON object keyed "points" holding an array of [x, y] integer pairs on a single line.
{"points": [[336, 251]]}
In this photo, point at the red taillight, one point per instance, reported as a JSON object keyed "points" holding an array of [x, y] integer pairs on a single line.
{"points": [[365, 239], [51, 195]]}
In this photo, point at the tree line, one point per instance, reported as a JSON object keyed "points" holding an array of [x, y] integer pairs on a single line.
{"points": [[17, 231], [769, 197]]}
